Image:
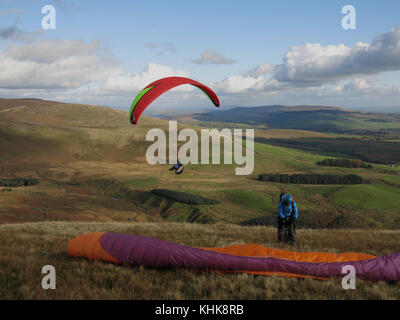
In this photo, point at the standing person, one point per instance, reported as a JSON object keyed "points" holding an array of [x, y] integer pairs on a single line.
{"points": [[287, 215]]}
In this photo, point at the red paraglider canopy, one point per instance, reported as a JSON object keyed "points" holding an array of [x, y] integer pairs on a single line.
{"points": [[157, 88]]}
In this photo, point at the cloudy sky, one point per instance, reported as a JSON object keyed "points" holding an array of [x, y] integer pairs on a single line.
{"points": [[250, 52]]}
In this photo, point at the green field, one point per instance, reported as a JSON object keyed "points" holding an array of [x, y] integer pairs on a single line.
{"points": [[91, 166], [143, 182], [378, 197], [93, 176]]}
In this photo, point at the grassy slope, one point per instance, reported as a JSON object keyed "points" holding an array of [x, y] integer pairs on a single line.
{"points": [[85, 157], [29, 246], [91, 166], [316, 118]]}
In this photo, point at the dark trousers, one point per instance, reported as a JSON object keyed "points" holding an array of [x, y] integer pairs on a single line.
{"points": [[286, 230]]}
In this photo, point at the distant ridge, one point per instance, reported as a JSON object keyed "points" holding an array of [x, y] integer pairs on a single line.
{"points": [[305, 117]]}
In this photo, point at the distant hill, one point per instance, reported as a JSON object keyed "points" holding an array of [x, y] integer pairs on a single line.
{"points": [[315, 118], [91, 165]]}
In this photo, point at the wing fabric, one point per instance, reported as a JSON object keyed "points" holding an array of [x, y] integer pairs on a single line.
{"points": [[157, 88], [156, 253]]}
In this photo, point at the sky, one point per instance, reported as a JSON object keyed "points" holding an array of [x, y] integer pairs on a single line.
{"points": [[251, 53]]}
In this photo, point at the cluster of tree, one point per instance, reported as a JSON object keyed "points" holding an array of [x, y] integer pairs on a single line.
{"points": [[347, 163], [183, 197], [312, 178], [18, 182]]}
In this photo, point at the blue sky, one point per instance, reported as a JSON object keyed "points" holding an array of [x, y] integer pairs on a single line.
{"points": [[111, 49]]}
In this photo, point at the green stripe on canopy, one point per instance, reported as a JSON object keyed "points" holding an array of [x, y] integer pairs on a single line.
{"points": [[137, 99], [207, 95]]}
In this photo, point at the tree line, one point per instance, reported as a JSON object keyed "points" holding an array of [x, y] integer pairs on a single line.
{"points": [[18, 182], [346, 163], [311, 178]]}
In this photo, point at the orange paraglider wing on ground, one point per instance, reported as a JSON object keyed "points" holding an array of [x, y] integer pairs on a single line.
{"points": [[256, 250], [249, 258]]}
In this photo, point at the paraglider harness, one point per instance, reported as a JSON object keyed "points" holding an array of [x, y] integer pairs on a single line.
{"points": [[178, 167], [287, 227]]}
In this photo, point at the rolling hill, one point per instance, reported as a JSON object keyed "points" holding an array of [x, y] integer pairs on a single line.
{"points": [[91, 165], [314, 118], [92, 175]]}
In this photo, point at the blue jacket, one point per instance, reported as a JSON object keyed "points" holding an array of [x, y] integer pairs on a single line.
{"points": [[177, 166], [286, 211]]}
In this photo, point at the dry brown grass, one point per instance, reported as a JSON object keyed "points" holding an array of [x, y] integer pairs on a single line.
{"points": [[62, 144], [25, 248]]}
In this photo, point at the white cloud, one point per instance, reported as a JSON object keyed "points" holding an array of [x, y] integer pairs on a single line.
{"points": [[310, 74], [72, 70], [314, 64], [240, 84], [54, 64], [131, 82], [48, 51], [211, 57], [260, 70], [321, 73], [357, 90]]}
